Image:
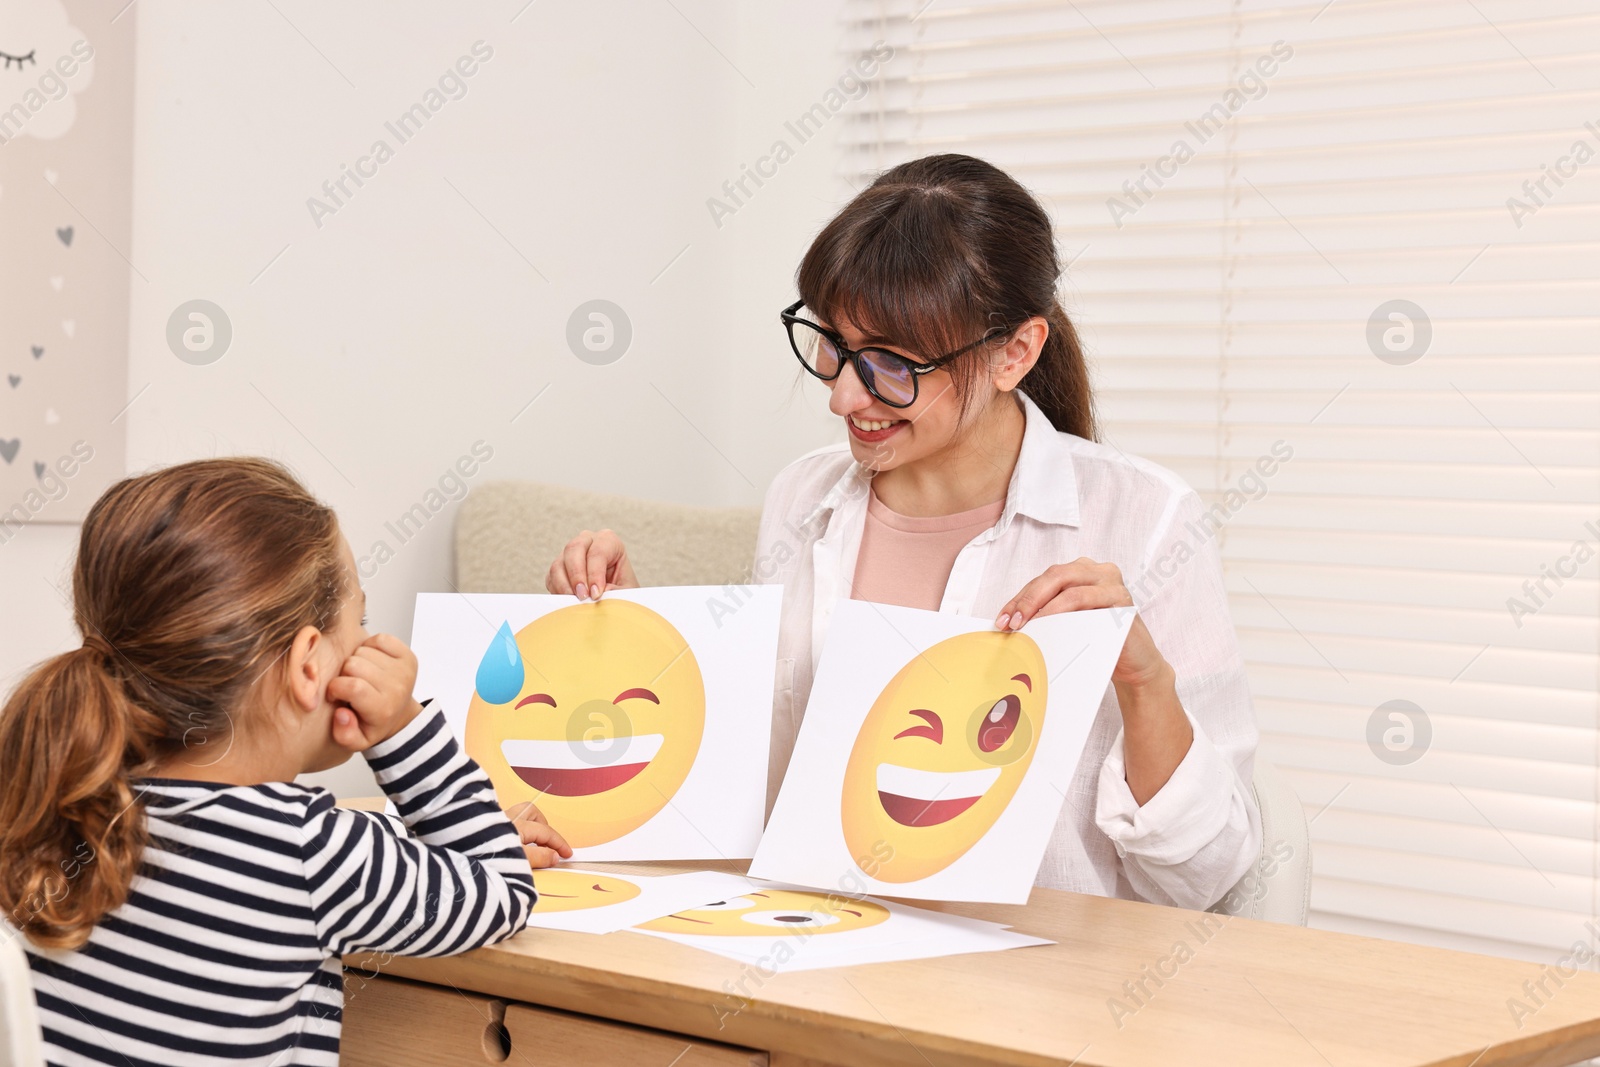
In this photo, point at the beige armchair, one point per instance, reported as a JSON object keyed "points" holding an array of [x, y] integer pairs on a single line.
{"points": [[507, 534]]}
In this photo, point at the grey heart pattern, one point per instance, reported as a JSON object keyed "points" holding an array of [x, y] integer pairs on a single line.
{"points": [[38, 469], [65, 233], [8, 449], [14, 379], [38, 352]]}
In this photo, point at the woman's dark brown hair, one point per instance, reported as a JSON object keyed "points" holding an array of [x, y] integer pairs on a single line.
{"points": [[190, 582], [938, 252]]}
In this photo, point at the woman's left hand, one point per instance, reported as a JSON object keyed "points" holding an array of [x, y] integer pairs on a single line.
{"points": [[1080, 585], [1156, 731]]}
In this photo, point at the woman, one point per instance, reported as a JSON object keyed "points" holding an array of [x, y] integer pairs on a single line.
{"points": [[972, 482]]}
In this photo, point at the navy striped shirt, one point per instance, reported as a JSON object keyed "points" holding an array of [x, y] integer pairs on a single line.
{"points": [[228, 947]]}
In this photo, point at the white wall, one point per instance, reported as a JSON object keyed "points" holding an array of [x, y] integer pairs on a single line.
{"points": [[36, 610], [377, 348]]}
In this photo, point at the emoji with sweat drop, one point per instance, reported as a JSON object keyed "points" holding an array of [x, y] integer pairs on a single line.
{"points": [[942, 751], [594, 712]]}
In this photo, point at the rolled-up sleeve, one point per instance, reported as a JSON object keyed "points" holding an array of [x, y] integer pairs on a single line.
{"points": [[1187, 845]]}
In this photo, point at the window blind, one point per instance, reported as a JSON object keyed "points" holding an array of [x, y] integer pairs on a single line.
{"points": [[1366, 229]]}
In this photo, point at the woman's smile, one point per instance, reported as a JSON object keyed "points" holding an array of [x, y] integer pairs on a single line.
{"points": [[874, 430]]}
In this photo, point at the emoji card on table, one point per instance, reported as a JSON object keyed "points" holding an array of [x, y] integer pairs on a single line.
{"points": [[778, 928], [639, 724], [597, 902], [936, 751]]}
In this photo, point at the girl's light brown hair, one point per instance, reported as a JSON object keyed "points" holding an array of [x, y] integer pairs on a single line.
{"points": [[939, 252], [190, 582]]}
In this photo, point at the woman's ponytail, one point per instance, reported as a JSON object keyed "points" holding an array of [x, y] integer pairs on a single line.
{"points": [[1059, 381], [71, 828], [189, 583]]}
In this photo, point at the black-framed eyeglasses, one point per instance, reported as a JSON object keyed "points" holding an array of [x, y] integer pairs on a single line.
{"points": [[889, 376]]}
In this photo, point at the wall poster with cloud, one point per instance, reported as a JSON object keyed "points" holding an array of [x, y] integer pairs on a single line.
{"points": [[639, 724], [66, 163]]}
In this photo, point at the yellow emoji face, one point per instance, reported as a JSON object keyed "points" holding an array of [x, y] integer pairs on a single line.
{"points": [[773, 911], [594, 712], [577, 890], [942, 752]]}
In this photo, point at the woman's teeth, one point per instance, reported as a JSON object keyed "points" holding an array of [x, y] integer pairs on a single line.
{"points": [[871, 424]]}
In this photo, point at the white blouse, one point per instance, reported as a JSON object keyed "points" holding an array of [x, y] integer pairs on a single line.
{"points": [[1068, 498]]}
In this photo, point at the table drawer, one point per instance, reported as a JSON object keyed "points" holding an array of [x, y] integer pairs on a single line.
{"points": [[390, 1022], [561, 1039]]}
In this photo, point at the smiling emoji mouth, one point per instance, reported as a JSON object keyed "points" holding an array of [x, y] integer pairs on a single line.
{"points": [[580, 768], [914, 797], [597, 887]]}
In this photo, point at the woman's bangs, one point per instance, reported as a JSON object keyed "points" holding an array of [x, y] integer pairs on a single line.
{"points": [[889, 290]]}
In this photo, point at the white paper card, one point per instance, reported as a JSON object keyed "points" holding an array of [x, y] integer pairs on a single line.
{"points": [[640, 724], [595, 902], [936, 752], [776, 929]]}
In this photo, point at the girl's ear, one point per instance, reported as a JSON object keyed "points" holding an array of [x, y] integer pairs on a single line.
{"points": [[1021, 353], [303, 670]]}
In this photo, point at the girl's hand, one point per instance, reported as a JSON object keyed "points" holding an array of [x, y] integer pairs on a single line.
{"points": [[539, 839], [589, 565], [372, 693], [1080, 585]]}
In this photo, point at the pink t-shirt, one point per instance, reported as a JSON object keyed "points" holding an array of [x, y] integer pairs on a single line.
{"points": [[907, 560]]}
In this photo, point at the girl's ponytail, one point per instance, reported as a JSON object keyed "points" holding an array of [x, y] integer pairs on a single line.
{"points": [[189, 583], [70, 826]]}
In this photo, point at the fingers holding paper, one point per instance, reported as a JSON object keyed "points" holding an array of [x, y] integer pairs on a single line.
{"points": [[1079, 586], [592, 562]]}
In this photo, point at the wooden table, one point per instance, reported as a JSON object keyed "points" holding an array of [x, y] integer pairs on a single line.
{"points": [[1243, 993]]}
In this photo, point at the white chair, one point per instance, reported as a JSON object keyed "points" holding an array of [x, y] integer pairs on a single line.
{"points": [[508, 532], [19, 1015], [1278, 888]]}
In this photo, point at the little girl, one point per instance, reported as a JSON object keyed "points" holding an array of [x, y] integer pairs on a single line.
{"points": [[184, 901]]}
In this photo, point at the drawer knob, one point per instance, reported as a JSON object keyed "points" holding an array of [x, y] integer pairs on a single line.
{"points": [[496, 1038]]}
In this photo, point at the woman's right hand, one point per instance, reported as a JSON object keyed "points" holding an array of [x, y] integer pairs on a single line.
{"points": [[592, 562]]}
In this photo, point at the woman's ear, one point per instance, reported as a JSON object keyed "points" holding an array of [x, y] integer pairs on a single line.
{"points": [[1021, 353], [304, 671]]}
